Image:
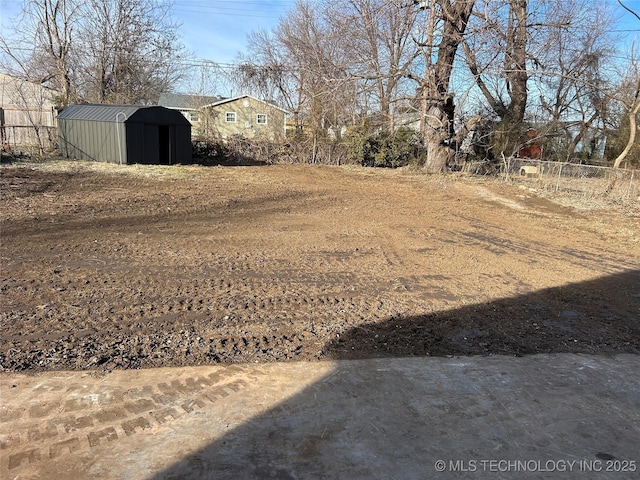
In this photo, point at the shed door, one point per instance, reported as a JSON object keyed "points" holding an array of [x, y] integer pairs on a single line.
{"points": [[164, 144], [151, 144]]}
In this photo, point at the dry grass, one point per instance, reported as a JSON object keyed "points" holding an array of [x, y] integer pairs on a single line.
{"points": [[582, 194], [160, 172]]}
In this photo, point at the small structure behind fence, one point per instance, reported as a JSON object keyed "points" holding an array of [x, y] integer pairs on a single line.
{"points": [[586, 181]]}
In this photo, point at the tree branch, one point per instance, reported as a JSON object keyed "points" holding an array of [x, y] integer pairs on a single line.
{"points": [[629, 10]]}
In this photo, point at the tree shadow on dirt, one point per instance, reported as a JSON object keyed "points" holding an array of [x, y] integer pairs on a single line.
{"points": [[239, 210], [394, 417]]}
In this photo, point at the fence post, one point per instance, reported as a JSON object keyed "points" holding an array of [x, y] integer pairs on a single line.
{"points": [[559, 174], [505, 165]]}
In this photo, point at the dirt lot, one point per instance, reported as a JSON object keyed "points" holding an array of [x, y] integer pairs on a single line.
{"points": [[107, 267]]}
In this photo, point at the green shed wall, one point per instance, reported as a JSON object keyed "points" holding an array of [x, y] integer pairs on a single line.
{"points": [[91, 140]]}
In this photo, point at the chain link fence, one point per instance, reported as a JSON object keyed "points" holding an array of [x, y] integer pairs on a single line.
{"points": [[588, 182], [27, 139]]}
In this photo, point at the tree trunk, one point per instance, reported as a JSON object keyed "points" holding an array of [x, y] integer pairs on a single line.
{"points": [[437, 102], [437, 135], [632, 134]]}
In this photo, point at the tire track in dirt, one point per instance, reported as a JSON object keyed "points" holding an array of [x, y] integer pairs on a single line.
{"points": [[116, 271], [205, 320], [82, 420]]}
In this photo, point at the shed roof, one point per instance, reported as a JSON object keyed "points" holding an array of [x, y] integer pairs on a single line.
{"points": [[124, 113]]}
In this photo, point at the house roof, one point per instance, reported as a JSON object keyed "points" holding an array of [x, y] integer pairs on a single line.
{"points": [[233, 99], [185, 102], [123, 113]]}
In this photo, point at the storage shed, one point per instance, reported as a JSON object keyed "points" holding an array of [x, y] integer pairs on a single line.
{"points": [[124, 134]]}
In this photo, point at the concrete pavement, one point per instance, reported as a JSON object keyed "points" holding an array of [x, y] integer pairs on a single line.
{"points": [[543, 416]]}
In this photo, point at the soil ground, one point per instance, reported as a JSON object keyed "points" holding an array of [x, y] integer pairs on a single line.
{"points": [[116, 267]]}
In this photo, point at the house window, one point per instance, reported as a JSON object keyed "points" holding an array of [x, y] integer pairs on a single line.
{"points": [[194, 117], [231, 117], [261, 119]]}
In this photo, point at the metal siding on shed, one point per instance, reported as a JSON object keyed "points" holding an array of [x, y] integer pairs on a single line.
{"points": [[134, 143], [151, 150], [100, 142], [91, 140], [63, 145]]}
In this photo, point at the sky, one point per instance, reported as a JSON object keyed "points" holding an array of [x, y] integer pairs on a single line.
{"points": [[629, 23], [217, 30], [214, 30]]}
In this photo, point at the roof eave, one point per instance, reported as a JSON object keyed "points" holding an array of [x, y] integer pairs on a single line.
{"points": [[233, 99]]}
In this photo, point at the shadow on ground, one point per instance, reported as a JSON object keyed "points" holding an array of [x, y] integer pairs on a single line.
{"points": [[380, 417], [595, 317], [228, 162]]}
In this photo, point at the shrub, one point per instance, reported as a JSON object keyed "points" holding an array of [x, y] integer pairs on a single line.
{"points": [[383, 149], [209, 151]]}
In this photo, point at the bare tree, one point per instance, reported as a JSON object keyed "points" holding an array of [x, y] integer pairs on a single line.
{"points": [[573, 57], [40, 48], [630, 100], [333, 61], [496, 55], [118, 51], [523, 55], [382, 34], [307, 60], [130, 50], [269, 70], [320, 47]]}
